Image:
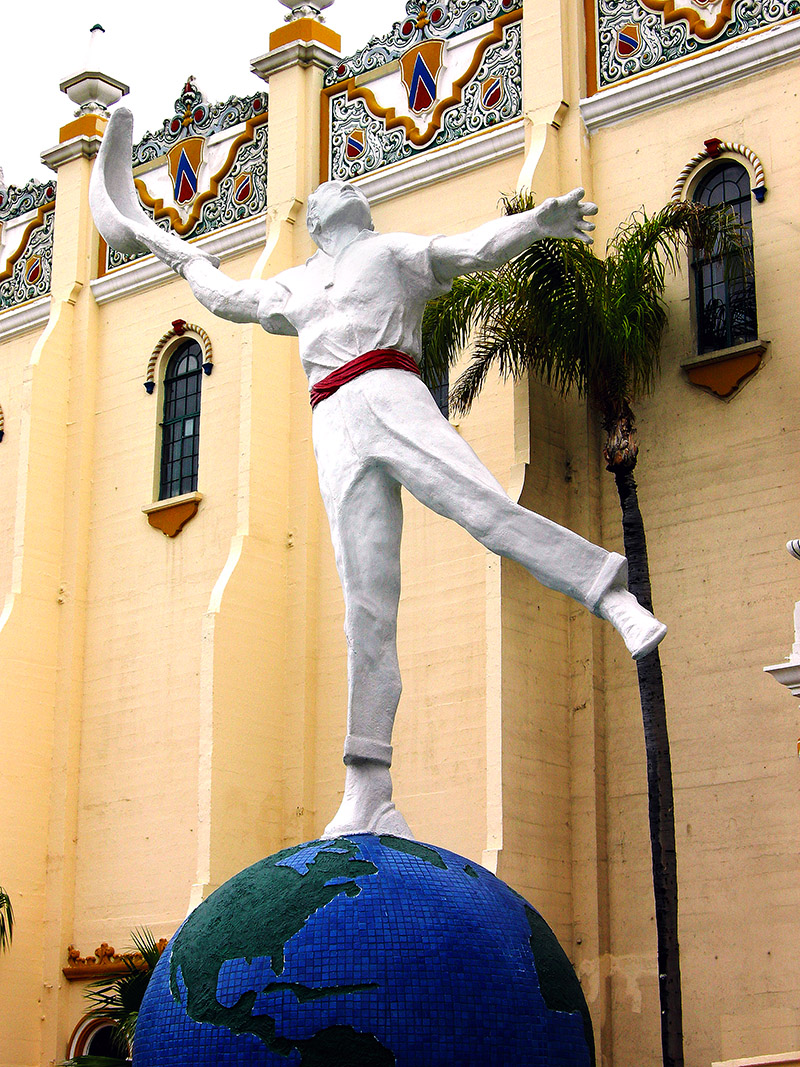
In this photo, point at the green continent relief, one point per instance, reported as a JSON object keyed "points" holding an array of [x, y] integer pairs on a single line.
{"points": [[414, 848], [277, 902], [558, 982]]}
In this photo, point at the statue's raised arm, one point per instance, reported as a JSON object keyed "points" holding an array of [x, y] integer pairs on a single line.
{"points": [[125, 226], [496, 242]]}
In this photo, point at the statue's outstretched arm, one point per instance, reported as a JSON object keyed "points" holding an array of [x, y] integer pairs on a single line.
{"points": [[121, 221], [497, 242]]}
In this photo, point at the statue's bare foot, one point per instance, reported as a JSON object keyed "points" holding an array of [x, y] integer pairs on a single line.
{"points": [[367, 806], [640, 629]]}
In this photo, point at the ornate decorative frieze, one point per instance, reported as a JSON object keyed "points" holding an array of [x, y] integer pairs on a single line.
{"points": [[206, 168], [105, 962], [634, 37], [26, 242], [444, 73]]}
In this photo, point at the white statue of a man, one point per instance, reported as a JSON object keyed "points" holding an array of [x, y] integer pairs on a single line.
{"points": [[356, 307]]}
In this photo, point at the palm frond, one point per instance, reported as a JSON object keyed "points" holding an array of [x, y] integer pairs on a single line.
{"points": [[6, 920], [576, 321], [119, 997], [449, 320]]}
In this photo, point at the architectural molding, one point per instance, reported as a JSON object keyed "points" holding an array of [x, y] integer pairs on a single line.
{"points": [[148, 272], [708, 71], [714, 148], [24, 317], [179, 328], [294, 54], [170, 516], [723, 373], [82, 146], [442, 163]]}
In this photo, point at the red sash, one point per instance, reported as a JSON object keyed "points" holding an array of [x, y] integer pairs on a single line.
{"points": [[381, 357]]}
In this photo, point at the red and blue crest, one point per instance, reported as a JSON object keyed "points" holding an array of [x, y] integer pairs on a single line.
{"points": [[492, 92], [243, 188], [356, 144], [419, 70], [629, 40], [33, 270], [184, 162]]}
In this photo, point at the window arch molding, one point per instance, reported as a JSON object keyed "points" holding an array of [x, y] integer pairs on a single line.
{"points": [[90, 1029], [715, 150], [166, 345]]}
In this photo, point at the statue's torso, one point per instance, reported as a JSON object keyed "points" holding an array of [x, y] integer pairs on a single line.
{"points": [[372, 295]]}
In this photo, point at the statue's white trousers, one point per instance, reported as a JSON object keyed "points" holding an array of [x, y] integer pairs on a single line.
{"points": [[377, 433]]}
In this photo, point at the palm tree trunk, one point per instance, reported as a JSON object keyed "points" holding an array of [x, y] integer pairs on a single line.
{"points": [[659, 781]]}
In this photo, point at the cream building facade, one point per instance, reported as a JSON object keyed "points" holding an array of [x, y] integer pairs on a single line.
{"points": [[172, 671]]}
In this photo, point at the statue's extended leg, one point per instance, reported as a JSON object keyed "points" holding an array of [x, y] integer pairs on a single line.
{"points": [[426, 455], [366, 520]]}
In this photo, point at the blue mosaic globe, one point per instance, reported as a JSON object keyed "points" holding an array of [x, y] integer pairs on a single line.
{"points": [[365, 951]]}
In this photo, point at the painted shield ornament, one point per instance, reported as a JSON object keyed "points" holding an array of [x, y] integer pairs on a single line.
{"points": [[356, 144], [492, 91], [629, 40], [185, 160], [243, 188], [33, 270], [419, 70]]}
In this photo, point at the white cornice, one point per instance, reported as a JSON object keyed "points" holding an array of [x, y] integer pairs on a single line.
{"points": [[442, 163], [294, 54], [23, 318], [148, 272], [708, 71], [74, 148]]}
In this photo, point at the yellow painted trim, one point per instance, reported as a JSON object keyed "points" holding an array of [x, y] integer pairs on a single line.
{"points": [[305, 30], [390, 117], [86, 125], [670, 13]]}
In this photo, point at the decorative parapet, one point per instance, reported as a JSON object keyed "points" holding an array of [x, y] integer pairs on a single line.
{"points": [[631, 38], [444, 73], [104, 963], [26, 242], [205, 169]]}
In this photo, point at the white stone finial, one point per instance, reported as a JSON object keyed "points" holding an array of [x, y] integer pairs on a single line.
{"points": [[302, 9], [91, 90]]}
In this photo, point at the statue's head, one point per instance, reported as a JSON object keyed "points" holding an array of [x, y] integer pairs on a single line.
{"points": [[335, 204]]}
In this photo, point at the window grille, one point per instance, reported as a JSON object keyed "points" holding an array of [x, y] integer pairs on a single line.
{"points": [[180, 430], [725, 288]]}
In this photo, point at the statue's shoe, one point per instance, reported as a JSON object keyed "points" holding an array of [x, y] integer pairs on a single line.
{"points": [[639, 628], [384, 819]]}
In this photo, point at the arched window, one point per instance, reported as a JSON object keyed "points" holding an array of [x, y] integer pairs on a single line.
{"points": [[93, 1037], [180, 430], [725, 287]]}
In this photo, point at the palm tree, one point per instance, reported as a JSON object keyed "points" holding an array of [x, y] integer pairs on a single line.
{"points": [[595, 325], [119, 997], [6, 920]]}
